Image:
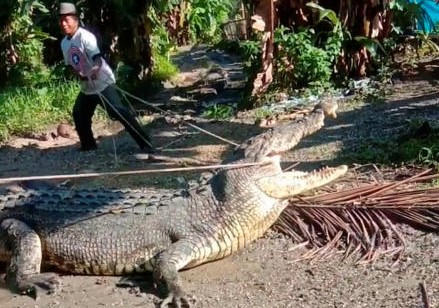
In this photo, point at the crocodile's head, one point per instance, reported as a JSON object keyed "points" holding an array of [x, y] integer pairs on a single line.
{"points": [[271, 181], [329, 107], [268, 179], [285, 136]]}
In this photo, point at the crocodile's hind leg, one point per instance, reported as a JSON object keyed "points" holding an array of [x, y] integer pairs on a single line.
{"points": [[166, 267], [23, 273]]}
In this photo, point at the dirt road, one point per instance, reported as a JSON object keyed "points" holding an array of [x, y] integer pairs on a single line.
{"points": [[264, 274]]}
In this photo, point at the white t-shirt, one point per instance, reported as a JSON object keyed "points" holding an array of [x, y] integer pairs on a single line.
{"points": [[78, 52]]}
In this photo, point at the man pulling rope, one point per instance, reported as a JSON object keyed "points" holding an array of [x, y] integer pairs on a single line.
{"points": [[81, 52]]}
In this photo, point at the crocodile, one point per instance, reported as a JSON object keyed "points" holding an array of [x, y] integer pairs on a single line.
{"points": [[122, 232]]}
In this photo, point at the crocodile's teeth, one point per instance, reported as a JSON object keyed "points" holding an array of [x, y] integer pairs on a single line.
{"points": [[289, 184]]}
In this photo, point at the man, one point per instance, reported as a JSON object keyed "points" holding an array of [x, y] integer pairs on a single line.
{"points": [[81, 52]]}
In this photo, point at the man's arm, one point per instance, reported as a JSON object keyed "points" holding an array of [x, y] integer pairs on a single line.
{"points": [[71, 73], [93, 52], [97, 64]]}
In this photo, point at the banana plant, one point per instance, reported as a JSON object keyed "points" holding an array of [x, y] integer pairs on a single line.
{"points": [[21, 43]]}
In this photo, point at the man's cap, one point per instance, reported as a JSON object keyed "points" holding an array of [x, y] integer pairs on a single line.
{"points": [[67, 8]]}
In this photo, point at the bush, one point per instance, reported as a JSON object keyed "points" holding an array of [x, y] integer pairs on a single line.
{"points": [[300, 62], [163, 68], [27, 110], [21, 42]]}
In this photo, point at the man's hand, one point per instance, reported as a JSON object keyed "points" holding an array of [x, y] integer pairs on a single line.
{"points": [[96, 67], [81, 76], [94, 72]]}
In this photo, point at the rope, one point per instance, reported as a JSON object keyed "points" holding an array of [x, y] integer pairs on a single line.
{"points": [[105, 100], [112, 137], [144, 171], [172, 114], [125, 93]]}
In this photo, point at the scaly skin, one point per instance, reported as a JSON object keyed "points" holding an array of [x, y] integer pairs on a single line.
{"points": [[110, 232]]}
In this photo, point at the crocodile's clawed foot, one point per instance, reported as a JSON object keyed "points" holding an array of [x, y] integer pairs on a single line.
{"points": [[178, 300], [35, 285]]}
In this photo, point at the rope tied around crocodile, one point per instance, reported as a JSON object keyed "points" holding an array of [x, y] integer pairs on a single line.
{"points": [[131, 172]]}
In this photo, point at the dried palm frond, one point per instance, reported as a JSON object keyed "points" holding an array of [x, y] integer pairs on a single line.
{"points": [[363, 220]]}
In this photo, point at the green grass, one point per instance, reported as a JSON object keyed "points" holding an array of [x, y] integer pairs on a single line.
{"points": [[218, 112], [26, 110], [163, 68]]}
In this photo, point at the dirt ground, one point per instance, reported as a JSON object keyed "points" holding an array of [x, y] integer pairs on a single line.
{"points": [[264, 274]]}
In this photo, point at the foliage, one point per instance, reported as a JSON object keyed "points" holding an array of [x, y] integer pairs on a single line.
{"points": [[163, 68], [427, 45], [133, 35], [200, 20], [263, 113], [206, 16], [406, 15], [251, 51], [376, 89], [27, 110], [373, 46], [306, 57], [429, 156], [299, 62], [21, 41], [218, 112], [319, 56], [161, 43], [160, 7]]}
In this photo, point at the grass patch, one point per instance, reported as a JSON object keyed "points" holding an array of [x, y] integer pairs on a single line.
{"points": [[164, 69], [218, 112], [26, 110]]}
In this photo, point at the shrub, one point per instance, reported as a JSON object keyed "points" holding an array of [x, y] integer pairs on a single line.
{"points": [[26, 110]]}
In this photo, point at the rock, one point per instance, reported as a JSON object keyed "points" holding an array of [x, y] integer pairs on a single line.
{"points": [[65, 130]]}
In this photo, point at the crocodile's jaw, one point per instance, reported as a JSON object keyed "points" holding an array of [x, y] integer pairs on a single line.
{"points": [[288, 184]]}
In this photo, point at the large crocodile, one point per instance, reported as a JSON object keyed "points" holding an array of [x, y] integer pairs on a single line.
{"points": [[118, 232]]}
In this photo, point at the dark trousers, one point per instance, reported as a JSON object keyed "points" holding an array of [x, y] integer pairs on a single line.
{"points": [[85, 107]]}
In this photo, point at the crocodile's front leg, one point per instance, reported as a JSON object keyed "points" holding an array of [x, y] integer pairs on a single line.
{"points": [[166, 268], [23, 274]]}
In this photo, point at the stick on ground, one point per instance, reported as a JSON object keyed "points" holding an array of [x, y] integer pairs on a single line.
{"points": [[424, 293]]}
